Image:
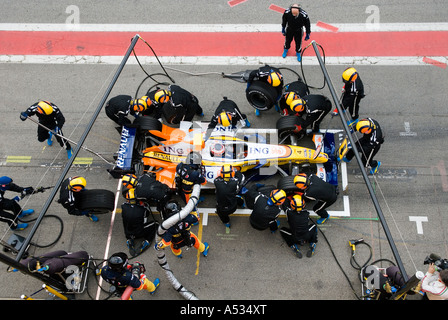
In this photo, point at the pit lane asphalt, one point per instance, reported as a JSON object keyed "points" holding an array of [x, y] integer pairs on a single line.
{"points": [[245, 263]]}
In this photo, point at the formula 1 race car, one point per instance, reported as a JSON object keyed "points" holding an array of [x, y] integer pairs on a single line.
{"points": [[150, 146]]}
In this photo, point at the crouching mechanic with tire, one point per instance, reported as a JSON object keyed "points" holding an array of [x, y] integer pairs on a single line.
{"points": [[179, 235], [137, 222], [69, 195], [121, 274], [266, 209], [314, 107], [264, 88], [226, 114], [228, 185], [300, 230], [316, 189]]}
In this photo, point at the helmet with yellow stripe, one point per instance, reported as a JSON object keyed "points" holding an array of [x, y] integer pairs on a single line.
{"points": [[162, 96], [45, 108], [365, 126], [349, 75], [275, 78], [225, 119], [277, 197], [301, 181], [77, 184], [227, 171], [297, 203]]}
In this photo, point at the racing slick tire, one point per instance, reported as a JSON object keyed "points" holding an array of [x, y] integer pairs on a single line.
{"points": [[287, 184], [96, 201], [148, 123], [261, 95], [289, 125]]}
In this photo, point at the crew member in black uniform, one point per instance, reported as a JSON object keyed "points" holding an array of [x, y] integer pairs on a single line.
{"points": [[228, 185], [352, 93], [315, 107], [294, 19], [226, 114], [158, 99], [188, 174], [69, 197], [292, 91], [51, 117], [11, 205], [301, 230], [185, 104], [149, 189], [121, 274], [118, 108], [137, 222], [266, 209], [179, 235], [369, 144], [316, 189]]}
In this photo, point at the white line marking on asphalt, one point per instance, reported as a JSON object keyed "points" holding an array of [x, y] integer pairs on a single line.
{"points": [[218, 61], [342, 27]]}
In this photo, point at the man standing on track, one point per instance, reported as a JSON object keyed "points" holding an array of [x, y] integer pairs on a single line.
{"points": [[293, 21]]}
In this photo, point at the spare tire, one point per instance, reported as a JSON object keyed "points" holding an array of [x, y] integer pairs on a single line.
{"points": [[261, 95], [96, 201], [288, 125]]}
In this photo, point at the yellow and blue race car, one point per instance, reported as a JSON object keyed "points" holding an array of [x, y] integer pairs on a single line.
{"points": [[150, 146]]}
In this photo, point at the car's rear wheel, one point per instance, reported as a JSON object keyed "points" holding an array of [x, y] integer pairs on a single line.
{"points": [[290, 125]]}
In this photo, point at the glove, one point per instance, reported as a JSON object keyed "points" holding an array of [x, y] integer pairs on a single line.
{"points": [[27, 191], [16, 198], [307, 37], [283, 31], [23, 116]]}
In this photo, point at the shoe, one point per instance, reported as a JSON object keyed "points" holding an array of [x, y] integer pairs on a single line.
{"points": [[26, 212], [322, 220], [50, 139], [145, 244], [335, 112], [310, 252], [21, 226], [374, 170], [285, 52], [297, 251], [205, 252], [344, 159], [299, 56], [352, 122], [93, 217], [156, 283], [247, 123], [257, 112], [69, 153]]}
